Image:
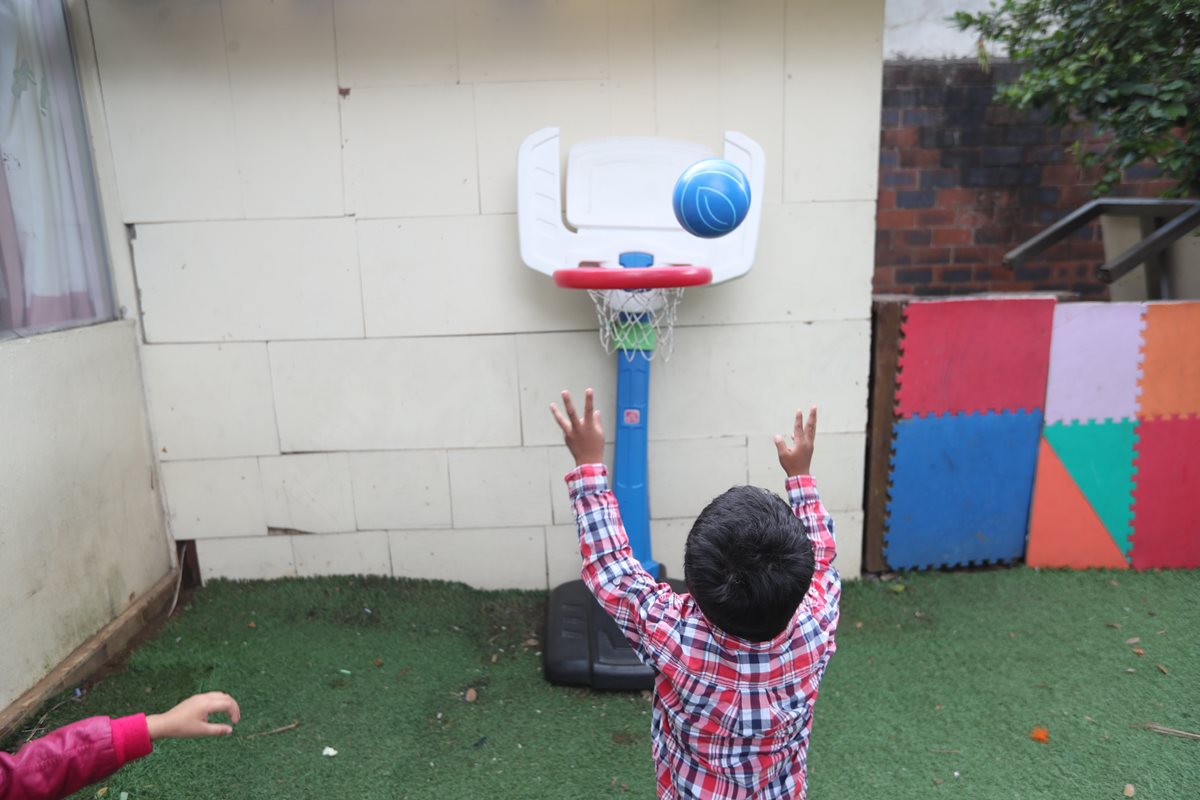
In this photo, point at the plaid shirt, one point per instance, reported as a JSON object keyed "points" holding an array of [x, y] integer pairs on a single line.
{"points": [[731, 718]]}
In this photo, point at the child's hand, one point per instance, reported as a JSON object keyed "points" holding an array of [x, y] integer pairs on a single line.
{"points": [[584, 435], [797, 459], [190, 718]]}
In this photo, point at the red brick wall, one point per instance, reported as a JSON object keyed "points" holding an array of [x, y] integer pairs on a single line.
{"points": [[963, 180]]}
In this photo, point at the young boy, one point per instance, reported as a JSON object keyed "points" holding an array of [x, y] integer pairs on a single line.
{"points": [[65, 760], [737, 659]]}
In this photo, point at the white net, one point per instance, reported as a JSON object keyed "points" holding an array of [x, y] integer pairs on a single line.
{"points": [[639, 323]]}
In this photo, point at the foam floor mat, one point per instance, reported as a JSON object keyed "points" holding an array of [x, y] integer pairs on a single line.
{"points": [[961, 486]]}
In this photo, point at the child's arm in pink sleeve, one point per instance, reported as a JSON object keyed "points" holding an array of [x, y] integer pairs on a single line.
{"points": [[74, 756]]}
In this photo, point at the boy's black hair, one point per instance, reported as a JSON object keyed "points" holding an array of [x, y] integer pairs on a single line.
{"points": [[748, 563]]}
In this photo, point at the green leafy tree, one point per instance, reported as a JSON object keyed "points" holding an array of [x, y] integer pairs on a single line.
{"points": [[1131, 68]]}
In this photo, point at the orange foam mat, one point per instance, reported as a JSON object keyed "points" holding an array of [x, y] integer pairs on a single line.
{"points": [[1064, 530], [1171, 360]]}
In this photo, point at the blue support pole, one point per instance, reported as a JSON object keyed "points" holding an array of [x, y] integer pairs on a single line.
{"points": [[631, 488], [631, 464]]}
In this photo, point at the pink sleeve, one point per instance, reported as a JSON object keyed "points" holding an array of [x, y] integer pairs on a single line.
{"points": [[131, 738], [64, 761]]}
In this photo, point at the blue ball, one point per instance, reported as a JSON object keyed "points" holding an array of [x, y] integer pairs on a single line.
{"points": [[712, 198]]}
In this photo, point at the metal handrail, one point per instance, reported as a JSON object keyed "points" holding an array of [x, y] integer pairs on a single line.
{"points": [[1183, 216]]}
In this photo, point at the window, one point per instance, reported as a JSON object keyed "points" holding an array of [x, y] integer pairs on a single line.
{"points": [[53, 265]]}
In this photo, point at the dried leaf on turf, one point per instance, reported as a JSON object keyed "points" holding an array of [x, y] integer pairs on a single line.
{"points": [[251, 624], [1162, 669], [378, 662], [471, 695], [1133, 640], [1040, 734], [1137, 651]]}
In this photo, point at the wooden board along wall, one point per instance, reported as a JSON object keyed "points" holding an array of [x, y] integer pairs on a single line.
{"points": [[886, 316], [90, 657]]}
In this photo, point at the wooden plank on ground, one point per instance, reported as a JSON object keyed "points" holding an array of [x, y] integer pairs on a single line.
{"points": [[886, 319], [87, 659]]}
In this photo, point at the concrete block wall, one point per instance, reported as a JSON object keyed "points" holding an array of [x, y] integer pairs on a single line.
{"points": [[347, 365]]}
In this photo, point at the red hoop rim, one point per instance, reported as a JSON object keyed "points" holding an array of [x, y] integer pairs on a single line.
{"points": [[675, 277]]}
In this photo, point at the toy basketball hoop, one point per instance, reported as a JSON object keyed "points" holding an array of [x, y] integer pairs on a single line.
{"points": [[626, 248], [635, 306]]}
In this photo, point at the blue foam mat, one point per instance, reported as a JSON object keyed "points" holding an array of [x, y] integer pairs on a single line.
{"points": [[961, 487]]}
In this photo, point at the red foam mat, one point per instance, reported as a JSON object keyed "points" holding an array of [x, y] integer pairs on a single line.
{"points": [[1166, 514], [964, 356]]}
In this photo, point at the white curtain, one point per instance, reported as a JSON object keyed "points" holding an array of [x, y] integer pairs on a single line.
{"points": [[53, 271]]}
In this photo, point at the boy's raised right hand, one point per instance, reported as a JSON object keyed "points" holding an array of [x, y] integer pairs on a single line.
{"points": [[797, 459], [584, 435]]}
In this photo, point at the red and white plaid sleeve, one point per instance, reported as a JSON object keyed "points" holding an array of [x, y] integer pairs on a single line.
{"points": [[643, 609], [824, 595]]}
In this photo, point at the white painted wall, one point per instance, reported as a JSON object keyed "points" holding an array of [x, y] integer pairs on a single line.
{"points": [[341, 338], [81, 527], [918, 29]]}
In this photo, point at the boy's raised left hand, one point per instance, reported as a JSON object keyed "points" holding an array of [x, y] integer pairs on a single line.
{"points": [[583, 435], [797, 459]]}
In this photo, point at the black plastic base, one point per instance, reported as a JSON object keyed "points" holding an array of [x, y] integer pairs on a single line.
{"points": [[584, 647]]}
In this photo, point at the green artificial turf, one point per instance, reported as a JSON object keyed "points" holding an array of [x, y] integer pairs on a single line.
{"points": [[933, 692]]}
